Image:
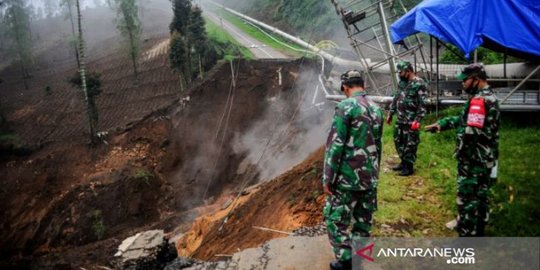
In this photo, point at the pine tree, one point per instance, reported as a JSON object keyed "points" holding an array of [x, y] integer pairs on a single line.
{"points": [[17, 23], [181, 12], [129, 26], [197, 37], [177, 56], [179, 48]]}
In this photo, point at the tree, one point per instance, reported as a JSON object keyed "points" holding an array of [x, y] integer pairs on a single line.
{"points": [[181, 12], [93, 86], [50, 7], [179, 47], [17, 20], [68, 8], [177, 56], [190, 49], [197, 37], [90, 104], [452, 55], [129, 26], [3, 28]]}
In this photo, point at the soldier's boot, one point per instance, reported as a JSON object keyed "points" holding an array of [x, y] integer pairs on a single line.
{"points": [[399, 167], [408, 169], [341, 265]]}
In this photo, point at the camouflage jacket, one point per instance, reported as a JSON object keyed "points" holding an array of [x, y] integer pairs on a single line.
{"points": [[353, 147], [477, 146], [409, 101]]}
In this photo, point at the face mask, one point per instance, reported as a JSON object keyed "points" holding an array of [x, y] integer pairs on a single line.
{"points": [[472, 88], [404, 78]]}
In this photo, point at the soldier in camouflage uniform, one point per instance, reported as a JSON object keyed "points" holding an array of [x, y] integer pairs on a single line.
{"points": [[477, 150], [351, 168], [409, 105]]}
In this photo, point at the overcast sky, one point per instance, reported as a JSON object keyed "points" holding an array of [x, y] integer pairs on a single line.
{"points": [[84, 3]]}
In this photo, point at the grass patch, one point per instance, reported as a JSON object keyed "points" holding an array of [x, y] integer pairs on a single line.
{"points": [[515, 200], [144, 176], [257, 34], [10, 139], [232, 46], [97, 224], [423, 203]]}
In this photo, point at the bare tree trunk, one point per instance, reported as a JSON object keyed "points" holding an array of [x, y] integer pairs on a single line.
{"points": [[21, 57], [82, 71], [73, 33], [24, 75], [133, 57], [201, 72]]}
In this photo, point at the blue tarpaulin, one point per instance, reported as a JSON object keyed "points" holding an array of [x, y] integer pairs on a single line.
{"points": [[511, 26]]}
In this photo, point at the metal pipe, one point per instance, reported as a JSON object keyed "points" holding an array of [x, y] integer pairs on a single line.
{"points": [[297, 40], [437, 56], [391, 61]]}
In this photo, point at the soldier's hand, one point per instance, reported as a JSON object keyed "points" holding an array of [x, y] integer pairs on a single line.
{"points": [[326, 190], [415, 125], [433, 128], [388, 118]]}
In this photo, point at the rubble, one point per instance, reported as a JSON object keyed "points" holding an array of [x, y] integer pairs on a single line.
{"points": [[311, 231], [146, 250]]}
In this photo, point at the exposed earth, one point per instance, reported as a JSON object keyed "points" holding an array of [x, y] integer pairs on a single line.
{"points": [[226, 165], [168, 156]]}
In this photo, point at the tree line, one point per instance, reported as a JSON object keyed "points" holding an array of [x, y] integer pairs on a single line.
{"points": [[191, 53], [16, 36]]}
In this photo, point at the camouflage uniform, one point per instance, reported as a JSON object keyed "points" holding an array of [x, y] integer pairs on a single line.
{"points": [[409, 104], [477, 153], [351, 170]]}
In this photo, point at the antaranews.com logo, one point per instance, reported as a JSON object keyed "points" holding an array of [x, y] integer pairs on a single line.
{"points": [[452, 255]]}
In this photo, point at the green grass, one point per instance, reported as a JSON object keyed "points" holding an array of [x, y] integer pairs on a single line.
{"points": [[10, 139], [143, 175], [215, 33], [516, 203], [257, 34], [422, 204]]}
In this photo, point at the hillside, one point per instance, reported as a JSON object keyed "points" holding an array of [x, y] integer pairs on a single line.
{"points": [[166, 153], [216, 165]]}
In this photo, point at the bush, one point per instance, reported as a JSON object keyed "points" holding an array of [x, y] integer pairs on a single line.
{"points": [[143, 175], [97, 224]]}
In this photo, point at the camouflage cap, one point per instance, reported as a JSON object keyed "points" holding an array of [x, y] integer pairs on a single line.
{"points": [[472, 70], [351, 76], [402, 65]]}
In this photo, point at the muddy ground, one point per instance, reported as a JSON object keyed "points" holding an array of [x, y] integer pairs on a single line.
{"points": [[171, 157]]}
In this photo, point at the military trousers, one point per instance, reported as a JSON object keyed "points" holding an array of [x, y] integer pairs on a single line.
{"points": [[348, 216], [406, 142], [473, 184]]}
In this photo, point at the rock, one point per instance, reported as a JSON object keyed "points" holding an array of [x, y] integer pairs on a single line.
{"points": [[140, 245], [180, 263], [146, 250]]}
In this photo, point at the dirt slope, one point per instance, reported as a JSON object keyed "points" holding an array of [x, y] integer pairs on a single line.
{"points": [[67, 203], [291, 201]]}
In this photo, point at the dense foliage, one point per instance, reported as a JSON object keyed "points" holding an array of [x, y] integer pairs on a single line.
{"points": [[453, 55], [191, 52]]}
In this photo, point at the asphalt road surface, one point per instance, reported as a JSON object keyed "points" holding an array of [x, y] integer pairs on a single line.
{"points": [[259, 49]]}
